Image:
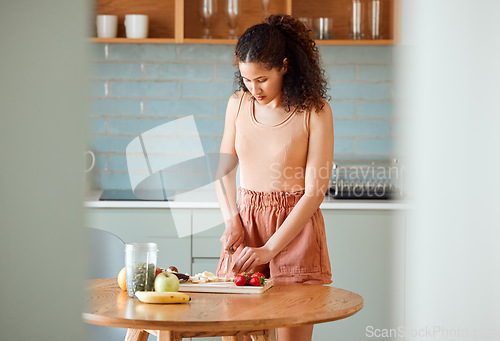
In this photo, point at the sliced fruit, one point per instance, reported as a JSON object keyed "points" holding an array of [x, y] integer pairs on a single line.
{"points": [[162, 297], [181, 276]]}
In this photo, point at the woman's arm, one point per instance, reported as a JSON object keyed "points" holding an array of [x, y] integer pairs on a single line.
{"points": [[317, 175], [225, 184]]}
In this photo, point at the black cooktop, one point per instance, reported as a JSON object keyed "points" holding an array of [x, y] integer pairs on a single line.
{"points": [[128, 195]]}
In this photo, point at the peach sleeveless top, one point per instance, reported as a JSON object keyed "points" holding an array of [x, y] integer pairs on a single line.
{"points": [[272, 157]]}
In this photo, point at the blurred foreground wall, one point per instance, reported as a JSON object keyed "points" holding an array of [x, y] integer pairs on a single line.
{"points": [[42, 133], [450, 81]]}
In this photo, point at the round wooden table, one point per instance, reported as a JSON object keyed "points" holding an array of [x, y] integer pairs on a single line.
{"points": [[284, 305]]}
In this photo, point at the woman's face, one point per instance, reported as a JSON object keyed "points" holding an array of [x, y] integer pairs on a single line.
{"points": [[265, 85]]}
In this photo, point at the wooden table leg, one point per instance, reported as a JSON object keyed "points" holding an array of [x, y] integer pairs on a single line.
{"points": [[136, 335], [272, 334], [268, 335], [167, 335]]}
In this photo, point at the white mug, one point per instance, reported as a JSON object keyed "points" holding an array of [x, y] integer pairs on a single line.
{"points": [[92, 160], [136, 26], [106, 26]]}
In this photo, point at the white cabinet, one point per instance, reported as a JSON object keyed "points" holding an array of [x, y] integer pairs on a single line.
{"points": [[368, 257], [197, 253], [147, 225], [207, 243]]}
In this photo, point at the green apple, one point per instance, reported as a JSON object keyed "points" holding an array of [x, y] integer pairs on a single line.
{"points": [[166, 282]]}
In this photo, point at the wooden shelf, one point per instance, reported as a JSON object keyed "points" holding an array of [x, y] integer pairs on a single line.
{"points": [[177, 21], [210, 41], [134, 41], [232, 41], [356, 42]]}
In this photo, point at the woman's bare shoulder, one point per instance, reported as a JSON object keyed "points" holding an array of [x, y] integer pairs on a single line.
{"points": [[235, 97], [323, 115], [233, 104], [325, 109]]}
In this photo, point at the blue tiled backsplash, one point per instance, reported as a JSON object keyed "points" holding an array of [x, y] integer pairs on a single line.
{"points": [[136, 87]]}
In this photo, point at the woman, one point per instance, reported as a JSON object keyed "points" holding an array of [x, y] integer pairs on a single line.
{"points": [[280, 128]]}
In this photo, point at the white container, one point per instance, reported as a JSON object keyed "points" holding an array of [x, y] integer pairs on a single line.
{"points": [[136, 26], [106, 26], [140, 266]]}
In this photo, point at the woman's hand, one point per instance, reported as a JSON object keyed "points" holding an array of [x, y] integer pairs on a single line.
{"points": [[251, 257], [233, 235]]}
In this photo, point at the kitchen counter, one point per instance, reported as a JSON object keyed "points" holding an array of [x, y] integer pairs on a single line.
{"points": [[208, 200]]}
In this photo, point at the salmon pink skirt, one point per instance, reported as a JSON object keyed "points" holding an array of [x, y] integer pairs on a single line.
{"points": [[304, 260]]}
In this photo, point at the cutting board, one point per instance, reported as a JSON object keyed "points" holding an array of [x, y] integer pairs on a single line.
{"points": [[225, 287]]}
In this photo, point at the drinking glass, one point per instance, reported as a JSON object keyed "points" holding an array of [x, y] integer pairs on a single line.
{"points": [[265, 7], [374, 11], [356, 29], [232, 10], [208, 10], [308, 22], [323, 28]]}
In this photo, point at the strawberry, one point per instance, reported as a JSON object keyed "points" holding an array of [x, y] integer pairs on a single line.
{"points": [[257, 274], [256, 281], [240, 280], [247, 275]]}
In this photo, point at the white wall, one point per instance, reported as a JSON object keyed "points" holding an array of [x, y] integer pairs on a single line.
{"points": [[450, 75], [42, 132]]}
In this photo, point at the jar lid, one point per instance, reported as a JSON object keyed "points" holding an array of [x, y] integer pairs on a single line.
{"points": [[141, 247]]}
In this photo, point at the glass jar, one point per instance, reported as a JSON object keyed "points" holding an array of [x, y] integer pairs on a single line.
{"points": [[140, 266]]}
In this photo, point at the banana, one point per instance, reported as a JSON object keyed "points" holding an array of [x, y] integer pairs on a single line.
{"points": [[162, 297]]}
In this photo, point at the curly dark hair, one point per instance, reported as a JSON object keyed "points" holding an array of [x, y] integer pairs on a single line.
{"points": [[276, 38]]}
